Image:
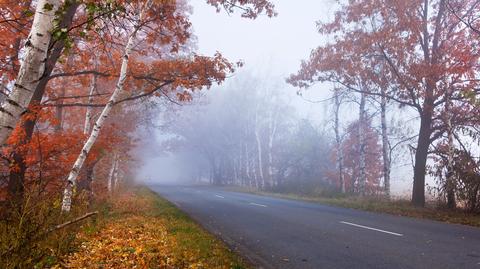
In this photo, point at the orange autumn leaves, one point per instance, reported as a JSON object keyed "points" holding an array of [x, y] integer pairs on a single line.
{"points": [[147, 233]]}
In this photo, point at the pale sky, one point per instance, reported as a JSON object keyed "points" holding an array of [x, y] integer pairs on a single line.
{"points": [[279, 43]]}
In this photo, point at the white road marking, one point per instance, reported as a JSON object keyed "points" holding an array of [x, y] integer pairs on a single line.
{"points": [[258, 204], [219, 196], [370, 228]]}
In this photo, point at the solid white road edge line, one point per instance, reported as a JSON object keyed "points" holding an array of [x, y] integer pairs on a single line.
{"points": [[370, 228], [258, 204], [219, 196]]}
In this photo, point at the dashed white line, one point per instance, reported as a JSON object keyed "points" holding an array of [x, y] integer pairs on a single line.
{"points": [[370, 228], [219, 196], [258, 204]]}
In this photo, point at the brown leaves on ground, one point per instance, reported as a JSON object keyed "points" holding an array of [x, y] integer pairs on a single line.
{"points": [[144, 231]]}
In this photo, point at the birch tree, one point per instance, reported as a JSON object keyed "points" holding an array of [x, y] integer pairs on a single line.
{"points": [[72, 177], [385, 142], [258, 140], [419, 68], [362, 180], [89, 112], [338, 139], [32, 68]]}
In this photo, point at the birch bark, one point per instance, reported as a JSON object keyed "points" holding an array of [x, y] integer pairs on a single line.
{"points": [[111, 173], [89, 112], [273, 130], [385, 144], [259, 151], [32, 68], [362, 179]]}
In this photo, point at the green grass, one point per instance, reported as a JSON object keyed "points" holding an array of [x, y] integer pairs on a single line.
{"points": [[190, 235]]}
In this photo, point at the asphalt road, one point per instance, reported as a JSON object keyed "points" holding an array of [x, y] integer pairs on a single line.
{"points": [[281, 233]]}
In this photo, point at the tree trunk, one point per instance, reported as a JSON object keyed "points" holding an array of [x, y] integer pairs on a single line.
{"points": [[421, 154], [259, 152], [59, 102], [16, 178], [385, 144], [89, 112], [426, 112], [273, 130], [72, 177], [32, 69], [116, 177], [338, 141], [59, 111], [362, 181], [112, 173], [449, 178]]}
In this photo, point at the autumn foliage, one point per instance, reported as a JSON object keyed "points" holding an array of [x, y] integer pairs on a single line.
{"points": [[418, 54], [85, 59]]}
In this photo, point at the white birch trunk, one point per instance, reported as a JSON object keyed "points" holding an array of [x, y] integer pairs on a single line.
{"points": [[338, 141], [235, 172], [255, 176], [259, 151], [271, 137], [385, 144], [247, 164], [32, 67], [89, 112], [72, 177], [111, 173], [116, 177], [362, 181]]}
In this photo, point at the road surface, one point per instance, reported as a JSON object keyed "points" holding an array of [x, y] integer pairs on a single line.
{"points": [[280, 233]]}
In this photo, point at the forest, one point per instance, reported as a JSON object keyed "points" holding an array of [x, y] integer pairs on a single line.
{"points": [[85, 86]]}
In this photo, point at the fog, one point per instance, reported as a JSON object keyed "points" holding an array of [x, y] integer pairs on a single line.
{"points": [[271, 50]]}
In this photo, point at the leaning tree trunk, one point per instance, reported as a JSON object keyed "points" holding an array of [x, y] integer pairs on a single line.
{"points": [[362, 180], [72, 177], [33, 67], [338, 141], [385, 144]]}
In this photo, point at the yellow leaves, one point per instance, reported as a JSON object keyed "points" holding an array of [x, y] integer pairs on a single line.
{"points": [[149, 233]]}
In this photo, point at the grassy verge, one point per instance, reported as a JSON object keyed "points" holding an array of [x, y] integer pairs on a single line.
{"points": [[381, 205], [142, 230]]}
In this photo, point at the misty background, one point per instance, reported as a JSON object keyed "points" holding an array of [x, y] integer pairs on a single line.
{"points": [[271, 49]]}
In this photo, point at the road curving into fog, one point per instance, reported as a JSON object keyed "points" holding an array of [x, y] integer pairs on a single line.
{"points": [[280, 233]]}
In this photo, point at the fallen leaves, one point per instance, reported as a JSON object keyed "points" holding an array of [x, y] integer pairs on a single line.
{"points": [[148, 232]]}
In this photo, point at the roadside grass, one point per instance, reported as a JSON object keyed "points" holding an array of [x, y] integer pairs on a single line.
{"points": [[400, 207], [139, 229]]}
